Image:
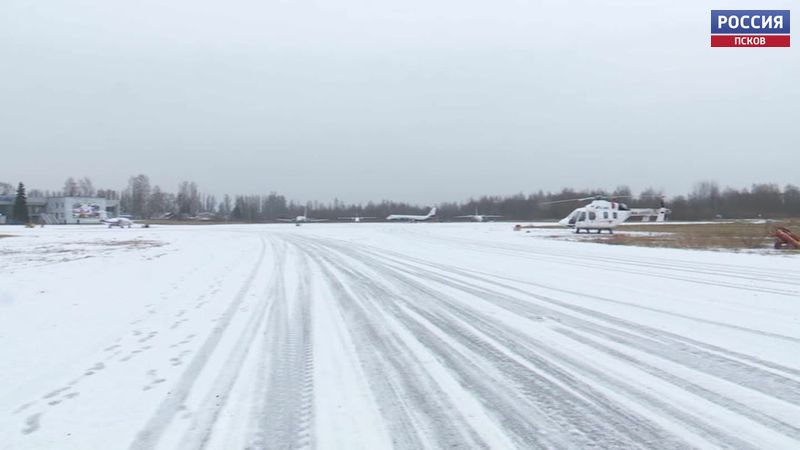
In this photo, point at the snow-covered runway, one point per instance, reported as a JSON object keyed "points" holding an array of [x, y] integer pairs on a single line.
{"points": [[390, 335]]}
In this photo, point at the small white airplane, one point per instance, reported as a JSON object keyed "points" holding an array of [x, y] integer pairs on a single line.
{"points": [[412, 217], [606, 214], [477, 217], [356, 218], [121, 222], [303, 219]]}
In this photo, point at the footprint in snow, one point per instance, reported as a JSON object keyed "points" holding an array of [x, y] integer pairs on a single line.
{"points": [[56, 392], [94, 369], [149, 336], [23, 407], [154, 380], [32, 423]]}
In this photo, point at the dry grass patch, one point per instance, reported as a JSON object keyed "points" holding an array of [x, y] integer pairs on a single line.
{"points": [[136, 243], [186, 222], [722, 235]]}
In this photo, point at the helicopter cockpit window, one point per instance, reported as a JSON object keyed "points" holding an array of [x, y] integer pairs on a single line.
{"points": [[573, 217], [592, 215]]}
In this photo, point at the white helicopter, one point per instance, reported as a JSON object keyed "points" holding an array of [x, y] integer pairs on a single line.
{"points": [[478, 217], [604, 213], [302, 219]]}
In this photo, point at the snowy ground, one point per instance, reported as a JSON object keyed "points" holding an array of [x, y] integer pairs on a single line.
{"points": [[390, 335]]}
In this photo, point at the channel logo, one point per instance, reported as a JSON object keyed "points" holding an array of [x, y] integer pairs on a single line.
{"points": [[749, 28]]}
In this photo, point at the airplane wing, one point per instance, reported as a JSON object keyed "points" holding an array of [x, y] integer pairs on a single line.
{"points": [[490, 215], [317, 220], [285, 220]]}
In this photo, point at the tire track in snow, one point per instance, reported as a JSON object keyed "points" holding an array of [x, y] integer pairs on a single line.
{"points": [[654, 340], [770, 384], [575, 409], [512, 339], [682, 350], [207, 413], [578, 421], [784, 276], [597, 263], [149, 436], [404, 260], [283, 413], [415, 410], [502, 281], [781, 426], [666, 345], [132, 337]]}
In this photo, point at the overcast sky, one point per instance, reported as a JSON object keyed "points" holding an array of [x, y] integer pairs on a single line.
{"points": [[417, 100]]}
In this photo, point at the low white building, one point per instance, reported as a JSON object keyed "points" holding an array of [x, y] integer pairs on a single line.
{"points": [[62, 210], [77, 210]]}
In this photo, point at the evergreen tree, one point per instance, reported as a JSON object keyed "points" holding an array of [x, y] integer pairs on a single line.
{"points": [[21, 205]]}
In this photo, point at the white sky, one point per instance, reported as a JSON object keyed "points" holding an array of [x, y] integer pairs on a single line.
{"points": [[409, 100]]}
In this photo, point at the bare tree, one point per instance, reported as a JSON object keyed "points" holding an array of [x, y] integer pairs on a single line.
{"points": [[71, 188], [6, 188], [225, 206], [139, 191], [158, 203], [622, 191], [109, 194], [210, 204], [188, 199], [85, 187]]}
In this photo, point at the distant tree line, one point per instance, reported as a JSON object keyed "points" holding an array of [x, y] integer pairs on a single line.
{"points": [[705, 201]]}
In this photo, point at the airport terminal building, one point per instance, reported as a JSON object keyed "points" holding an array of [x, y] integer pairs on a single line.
{"points": [[63, 210]]}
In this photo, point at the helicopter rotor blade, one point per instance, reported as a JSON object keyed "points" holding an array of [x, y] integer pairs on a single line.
{"points": [[586, 199], [555, 202]]}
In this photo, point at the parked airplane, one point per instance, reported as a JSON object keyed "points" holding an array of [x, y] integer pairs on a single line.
{"points": [[121, 222], [357, 218], [477, 217], [412, 217], [303, 219], [606, 214]]}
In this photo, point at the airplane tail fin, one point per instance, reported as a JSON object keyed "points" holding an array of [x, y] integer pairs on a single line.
{"points": [[432, 212], [663, 212]]}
